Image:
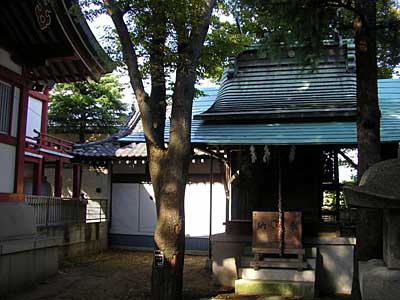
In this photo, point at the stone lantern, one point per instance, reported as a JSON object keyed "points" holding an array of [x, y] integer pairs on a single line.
{"points": [[380, 188]]}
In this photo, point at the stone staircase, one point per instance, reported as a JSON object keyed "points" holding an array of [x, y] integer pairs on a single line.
{"points": [[278, 280]]}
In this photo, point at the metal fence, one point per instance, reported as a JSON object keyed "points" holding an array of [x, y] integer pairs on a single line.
{"points": [[52, 211], [96, 210]]}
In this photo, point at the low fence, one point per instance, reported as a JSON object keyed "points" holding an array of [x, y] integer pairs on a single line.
{"points": [[96, 210], [53, 211]]}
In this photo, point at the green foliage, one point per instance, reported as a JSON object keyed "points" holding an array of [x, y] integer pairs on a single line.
{"points": [[87, 107], [223, 39], [280, 24]]}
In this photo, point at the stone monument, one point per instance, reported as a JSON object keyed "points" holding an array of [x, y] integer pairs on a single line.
{"points": [[380, 188]]}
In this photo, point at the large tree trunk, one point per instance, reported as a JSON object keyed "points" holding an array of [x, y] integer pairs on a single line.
{"points": [[169, 172], [369, 225], [169, 180], [168, 166], [368, 121]]}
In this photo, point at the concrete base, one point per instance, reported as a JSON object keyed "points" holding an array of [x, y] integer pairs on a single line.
{"points": [[16, 219], [335, 264], [391, 234], [26, 261], [277, 275], [79, 239], [297, 290], [377, 282], [227, 250]]}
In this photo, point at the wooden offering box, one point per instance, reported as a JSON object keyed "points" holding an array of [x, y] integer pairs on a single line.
{"points": [[268, 240]]}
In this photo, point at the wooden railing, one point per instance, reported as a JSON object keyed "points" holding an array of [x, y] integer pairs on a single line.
{"points": [[52, 143]]}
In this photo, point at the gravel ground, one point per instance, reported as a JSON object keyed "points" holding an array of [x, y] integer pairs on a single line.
{"points": [[116, 274], [119, 274]]}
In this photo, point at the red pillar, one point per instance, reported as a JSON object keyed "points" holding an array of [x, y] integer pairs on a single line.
{"points": [[45, 108], [76, 190], [37, 178], [59, 172], [20, 153]]}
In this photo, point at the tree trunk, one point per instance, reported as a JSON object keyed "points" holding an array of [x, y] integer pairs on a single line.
{"points": [[168, 172], [368, 120], [369, 225]]}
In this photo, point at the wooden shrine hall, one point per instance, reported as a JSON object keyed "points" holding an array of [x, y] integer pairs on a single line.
{"points": [[278, 129]]}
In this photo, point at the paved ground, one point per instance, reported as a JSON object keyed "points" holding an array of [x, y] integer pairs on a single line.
{"points": [[117, 275]]}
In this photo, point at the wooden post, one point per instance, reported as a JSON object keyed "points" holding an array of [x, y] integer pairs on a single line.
{"points": [[37, 178], [59, 172], [211, 198], [280, 212], [336, 182], [76, 190], [20, 155]]}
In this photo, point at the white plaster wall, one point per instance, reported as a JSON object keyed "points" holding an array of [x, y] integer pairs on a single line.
{"points": [[125, 208], [34, 117], [94, 183], [134, 210], [14, 124], [7, 157], [5, 61], [197, 209]]}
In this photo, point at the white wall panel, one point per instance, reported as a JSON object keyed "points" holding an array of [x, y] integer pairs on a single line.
{"points": [[147, 208], [125, 208], [14, 124], [34, 117], [197, 209], [134, 209], [7, 166]]}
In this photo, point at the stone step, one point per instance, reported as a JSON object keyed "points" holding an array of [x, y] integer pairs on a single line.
{"points": [[277, 275], [298, 290], [311, 252], [245, 261]]}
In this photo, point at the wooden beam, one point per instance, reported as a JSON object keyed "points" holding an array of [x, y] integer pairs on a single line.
{"points": [[39, 96], [45, 108], [76, 189], [12, 77], [6, 139], [9, 197], [37, 178], [20, 154], [58, 178]]}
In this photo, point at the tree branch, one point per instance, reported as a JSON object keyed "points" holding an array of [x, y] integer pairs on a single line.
{"points": [[131, 60], [198, 34], [157, 70], [189, 53]]}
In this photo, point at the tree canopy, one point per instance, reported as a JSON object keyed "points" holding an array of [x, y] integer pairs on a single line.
{"points": [[87, 107], [287, 23]]}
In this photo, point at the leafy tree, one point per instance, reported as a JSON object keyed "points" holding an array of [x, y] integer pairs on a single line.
{"points": [[87, 107], [160, 42]]}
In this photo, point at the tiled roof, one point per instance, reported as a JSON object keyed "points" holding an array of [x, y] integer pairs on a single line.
{"points": [[109, 146], [295, 133], [257, 88]]}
